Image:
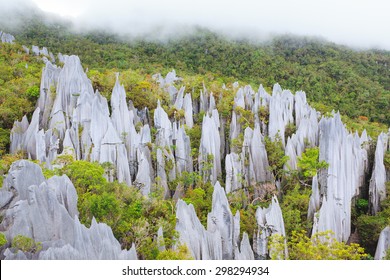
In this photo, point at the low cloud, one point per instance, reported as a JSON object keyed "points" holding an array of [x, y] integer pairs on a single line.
{"points": [[357, 23]]}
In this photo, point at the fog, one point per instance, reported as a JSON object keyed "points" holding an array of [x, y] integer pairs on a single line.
{"points": [[356, 23]]}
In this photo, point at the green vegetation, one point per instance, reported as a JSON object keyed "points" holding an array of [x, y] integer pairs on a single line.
{"points": [[182, 253], [26, 244], [3, 239], [132, 217], [309, 163], [276, 156], [370, 227], [321, 246], [334, 77]]}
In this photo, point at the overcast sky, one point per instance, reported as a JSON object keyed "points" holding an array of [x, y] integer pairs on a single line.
{"points": [[357, 23]]}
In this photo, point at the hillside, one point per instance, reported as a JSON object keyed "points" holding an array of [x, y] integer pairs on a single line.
{"points": [[229, 132], [356, 83]]}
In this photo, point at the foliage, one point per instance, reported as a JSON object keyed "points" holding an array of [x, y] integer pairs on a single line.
{"points": [[387, 256], [33, 93], [276, 156], [322, 246], [289, 130], [132, 217], [26, 244], [294, 205], [3, 239], [181, 253], [201, 199], [386, 160], [361, 206], [85, 174], [352, 82], [309, 162], [4, 140], [370, 227], [5, 164]]}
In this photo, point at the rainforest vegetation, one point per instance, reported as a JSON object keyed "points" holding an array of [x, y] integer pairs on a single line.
{"points": [[334, 77]]}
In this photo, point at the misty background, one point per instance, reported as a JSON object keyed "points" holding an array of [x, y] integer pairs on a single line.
{"points": [[359, 24]]}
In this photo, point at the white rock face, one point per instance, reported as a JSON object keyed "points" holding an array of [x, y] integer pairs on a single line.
{"points": [[377, 187], [281, 109], [187, 106], [221, 239], [6, 38], [341, 181], [383, 244], [210, 147], [46, 211], [270, 222], [233, 172]]}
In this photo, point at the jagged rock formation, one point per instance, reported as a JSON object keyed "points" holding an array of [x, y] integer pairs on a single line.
{"points": [[383, 246], [6, 38], [341, 181], [72, 119], [210, 147], [221, 239], [270, 222], [377, 183], [46, 211]]}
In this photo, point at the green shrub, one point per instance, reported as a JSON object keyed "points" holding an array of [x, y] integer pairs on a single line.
{"points": [[26, 244], [3, 239], [182, 253]]}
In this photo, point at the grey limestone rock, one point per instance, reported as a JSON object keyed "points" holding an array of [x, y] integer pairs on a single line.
{"points": [[143, 181], [281, 109], [191, 231], [383, 244], [246, 252], [26, 49], [270, 222], [46, 211], [188, 111], [183, 151], [18, 135], [220, 220], [341, 181], [35, 50], [221, 239], [210, 143], [377, 187], [160, 239], [6, 38], [314, 203], [233, 171]]}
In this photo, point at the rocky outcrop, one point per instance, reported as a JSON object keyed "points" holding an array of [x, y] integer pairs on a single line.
{"points": [[377, 189], [209, 150], [6, 38], [221, 239], [343, 178], [383, 247], [46, 211], [270, 222]]}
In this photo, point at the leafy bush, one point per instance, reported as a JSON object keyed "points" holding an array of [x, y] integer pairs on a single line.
{"points": [[369, 228], [321, 246], [276, 156], [182, 253], [26, 244], [3, 239]]}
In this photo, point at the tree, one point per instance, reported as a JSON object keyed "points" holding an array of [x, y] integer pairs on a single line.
{"points": [[309, 163], [321, 246]]}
